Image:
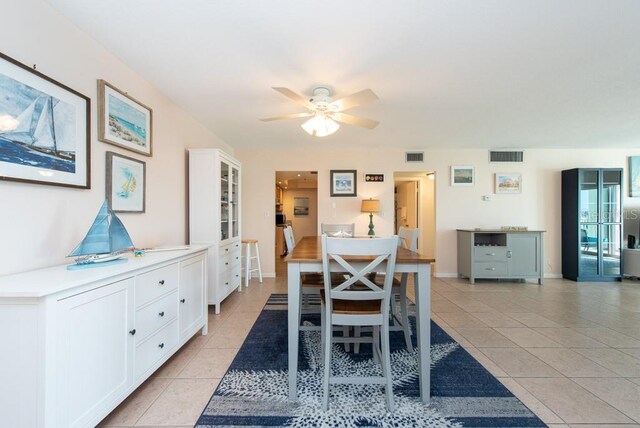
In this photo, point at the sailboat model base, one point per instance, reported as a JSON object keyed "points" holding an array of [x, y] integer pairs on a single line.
{"points": [[77, 266]]}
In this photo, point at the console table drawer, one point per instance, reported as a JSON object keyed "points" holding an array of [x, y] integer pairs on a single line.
{"points": [[154, 284], [152, 317], [489, 254], [490, 270], [158, 345]]}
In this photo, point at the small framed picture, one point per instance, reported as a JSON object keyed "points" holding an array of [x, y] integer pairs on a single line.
{"points": [[122, 120], [508, 183], [343, 182], [126, 182], [301, 206], [634, 176], [462, 176]]}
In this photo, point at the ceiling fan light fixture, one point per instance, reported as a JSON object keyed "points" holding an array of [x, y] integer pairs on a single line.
{"points": [[320, 125]]}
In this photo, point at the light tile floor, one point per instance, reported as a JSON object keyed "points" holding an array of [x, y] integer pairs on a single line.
{"points": [[570, 351]]}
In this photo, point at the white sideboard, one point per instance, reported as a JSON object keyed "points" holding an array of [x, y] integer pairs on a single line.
{"points": [[76, 343], [631, 264]]}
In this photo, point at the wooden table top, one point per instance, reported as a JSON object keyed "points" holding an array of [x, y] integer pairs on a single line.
{"points": [[309, 249]]}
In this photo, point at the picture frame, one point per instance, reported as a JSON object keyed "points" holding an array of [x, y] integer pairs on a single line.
{"points": [[463, 175], [508, 183], [45, 129], [300, 206], [344, 182], [126, 183], [124, 121], [634, 176]]}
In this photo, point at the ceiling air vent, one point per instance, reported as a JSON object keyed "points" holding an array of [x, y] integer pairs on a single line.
{"points": [[414, 157], [506, 156]]}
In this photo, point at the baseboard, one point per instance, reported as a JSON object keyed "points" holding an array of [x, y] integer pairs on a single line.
{"points": [[553, 275], [445, 275]]}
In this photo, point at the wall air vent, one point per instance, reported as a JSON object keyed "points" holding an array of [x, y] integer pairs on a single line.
{"points": [[414, 157], [506, 156]]}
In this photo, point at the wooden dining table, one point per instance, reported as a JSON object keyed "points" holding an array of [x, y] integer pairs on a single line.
{"points": [[307, 257]]}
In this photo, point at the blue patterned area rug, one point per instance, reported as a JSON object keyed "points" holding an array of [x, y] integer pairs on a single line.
{"points": [[253, 392]]}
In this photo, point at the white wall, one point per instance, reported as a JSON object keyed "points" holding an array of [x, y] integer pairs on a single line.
{"points": [[538, 206], [40, 225]]}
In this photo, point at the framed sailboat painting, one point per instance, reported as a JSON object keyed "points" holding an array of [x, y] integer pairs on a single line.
{"points": [[126, 182], [122, 120], [44, 128]]}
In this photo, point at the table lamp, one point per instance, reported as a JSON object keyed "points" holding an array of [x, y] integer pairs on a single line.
{"points": [[370, 206]]}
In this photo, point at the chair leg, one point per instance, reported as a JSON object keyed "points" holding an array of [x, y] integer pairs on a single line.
{"points": [[356, 333], [323, 332], [345, 333], [386, 366], [376, 344], [394, 310], [300, 309], [258, 260], [327, 361], [247, 266], [406, 327]]}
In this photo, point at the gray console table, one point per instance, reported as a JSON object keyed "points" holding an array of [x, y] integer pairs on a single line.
{"points": [[497, 254]]}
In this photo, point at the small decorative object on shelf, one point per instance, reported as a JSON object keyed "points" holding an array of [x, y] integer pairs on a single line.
{"points": [[104, 244], [514, 228]]}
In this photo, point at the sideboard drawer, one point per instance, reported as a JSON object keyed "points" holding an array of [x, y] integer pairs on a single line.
{"points": [[490, 270], [152, 317], [158, 345], [490, 254], [156, 283]]}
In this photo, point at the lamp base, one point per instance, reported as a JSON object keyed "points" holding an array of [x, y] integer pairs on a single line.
{"points": [[371, 232]]}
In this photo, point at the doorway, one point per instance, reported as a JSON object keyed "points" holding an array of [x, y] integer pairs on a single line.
{"points": [[297, 206], [415, 206]]}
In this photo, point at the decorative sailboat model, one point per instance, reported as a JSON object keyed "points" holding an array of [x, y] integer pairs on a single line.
{"points": [[105, 243]]}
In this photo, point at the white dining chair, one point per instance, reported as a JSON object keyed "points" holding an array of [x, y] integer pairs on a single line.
{"points": [[345, 230], [365, 305]]}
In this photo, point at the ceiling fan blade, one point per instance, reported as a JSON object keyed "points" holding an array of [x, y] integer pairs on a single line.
{"points": [[354, 120], [354, 100], [299, 99], [288, 116]]}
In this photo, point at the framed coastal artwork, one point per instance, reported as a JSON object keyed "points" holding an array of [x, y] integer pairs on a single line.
{"points": [[634, 176], [462, 176], [343, 182], [508, 183], [44, 129], [300, 206], [126, 182], [123, 120]]}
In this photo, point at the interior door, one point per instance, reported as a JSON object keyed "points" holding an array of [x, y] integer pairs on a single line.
{"points": [[407, 204]]}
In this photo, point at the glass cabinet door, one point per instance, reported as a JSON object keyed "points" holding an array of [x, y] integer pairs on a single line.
{"points": [[589, 229], [224, 201], [234, 200], [611, 218]]}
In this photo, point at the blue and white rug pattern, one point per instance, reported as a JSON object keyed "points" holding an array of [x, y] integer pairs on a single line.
{"points": [[254, 390]]}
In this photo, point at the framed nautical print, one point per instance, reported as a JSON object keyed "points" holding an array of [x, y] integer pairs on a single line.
{"points": [[123, 121], [126, 182], [343, 182], [44, 129]]}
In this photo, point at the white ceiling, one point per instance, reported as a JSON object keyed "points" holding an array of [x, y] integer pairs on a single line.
{"points": [[449, 73]]}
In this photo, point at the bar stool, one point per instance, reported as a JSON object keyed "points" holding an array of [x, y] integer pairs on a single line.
{"points": [[247, 243]]}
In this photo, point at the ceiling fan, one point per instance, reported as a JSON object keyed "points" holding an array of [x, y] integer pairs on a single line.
{"points": [[324, 113]]}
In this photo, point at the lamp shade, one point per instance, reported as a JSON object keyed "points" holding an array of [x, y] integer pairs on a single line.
{"points": [[370, 206], [320, 126]]}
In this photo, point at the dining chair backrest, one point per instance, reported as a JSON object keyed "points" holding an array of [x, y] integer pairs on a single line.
{"points": [[409, 237], [339, 255], [288, 238], [338, 230]]}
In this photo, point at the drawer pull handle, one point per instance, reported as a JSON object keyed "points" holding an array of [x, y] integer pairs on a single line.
{"points": [[161, 313], [132, 332], [182, 300], [490, 268], [226, 249], [509, 254], [226, 263], [161, 345], [226, 283], [237, 257], [491, 254], [161, 282]]}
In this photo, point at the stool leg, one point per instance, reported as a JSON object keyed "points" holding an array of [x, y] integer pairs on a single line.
{"points": [[258, 259], [247, 266]]}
